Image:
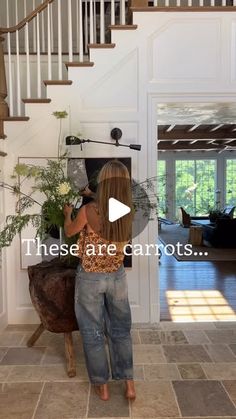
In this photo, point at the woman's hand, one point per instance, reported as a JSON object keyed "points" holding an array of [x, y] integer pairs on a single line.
{"points": [[86, 192], [67, 210]]}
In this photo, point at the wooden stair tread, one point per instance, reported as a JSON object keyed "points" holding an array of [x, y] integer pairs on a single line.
{"points": [[100, 46], [123, 27], [57, 82], [79, 64], [184, 9], [16, 118], [36, 100]]}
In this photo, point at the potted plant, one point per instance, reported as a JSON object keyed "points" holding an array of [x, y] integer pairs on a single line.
{"points": [[214, 214], [56, 189]]}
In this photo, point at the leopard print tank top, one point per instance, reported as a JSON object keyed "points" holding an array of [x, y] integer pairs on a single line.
{"points": [[96, 258]]}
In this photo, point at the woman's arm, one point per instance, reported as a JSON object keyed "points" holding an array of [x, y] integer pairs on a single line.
{"points": [[73, 227]]}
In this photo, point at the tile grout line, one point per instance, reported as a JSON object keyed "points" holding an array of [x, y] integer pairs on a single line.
{"points": [[136, 364], [130, 410], [144, 375], [208, 353], [43, 357], [4, 354], [225, 345], [209, 340], [234, 404], [39, 398], [202, 366], [34, 365], [175, 397], [188, 328], [177, 368], [203, 332], [3, 383], [186, 337], [228, 345], [43, 381], [9, 373], [22, 340], [88, 400], [163, 354]]}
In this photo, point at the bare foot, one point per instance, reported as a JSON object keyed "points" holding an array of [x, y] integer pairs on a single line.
{"points": [[102, 391], [130, 393]]}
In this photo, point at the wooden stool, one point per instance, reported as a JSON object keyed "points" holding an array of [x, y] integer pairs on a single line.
{"points": [[69, 349], [195, 235], [51, 289]]}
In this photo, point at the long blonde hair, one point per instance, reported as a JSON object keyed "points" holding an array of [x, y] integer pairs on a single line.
{"points": [[114, 182]]}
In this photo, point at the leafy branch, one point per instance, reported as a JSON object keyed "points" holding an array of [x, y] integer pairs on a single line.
{"points": [[57, 190]]}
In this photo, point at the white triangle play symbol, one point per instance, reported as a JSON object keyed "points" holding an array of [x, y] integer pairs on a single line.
{"points": [[117, 210]]}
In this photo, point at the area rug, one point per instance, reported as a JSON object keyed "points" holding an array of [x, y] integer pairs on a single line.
{"points": [[173, 234]]}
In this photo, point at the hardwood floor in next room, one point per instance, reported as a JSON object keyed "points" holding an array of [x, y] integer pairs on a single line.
{"points": [[197, 291]]}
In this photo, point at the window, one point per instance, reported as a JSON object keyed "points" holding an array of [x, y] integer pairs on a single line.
{"points": [[230, 182], [195, 185], [161, 187]]}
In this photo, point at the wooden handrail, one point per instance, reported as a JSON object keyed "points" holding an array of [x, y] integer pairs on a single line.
{"points": [[184, 9], [27, 19]]}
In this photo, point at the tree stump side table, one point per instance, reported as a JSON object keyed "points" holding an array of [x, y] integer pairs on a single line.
{"points": [[51, 287]]}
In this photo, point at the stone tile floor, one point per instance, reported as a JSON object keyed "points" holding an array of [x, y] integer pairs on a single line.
{"points": [[181, 370]]}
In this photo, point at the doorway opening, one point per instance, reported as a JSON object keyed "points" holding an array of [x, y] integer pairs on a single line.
{"points": [[196, 171]]}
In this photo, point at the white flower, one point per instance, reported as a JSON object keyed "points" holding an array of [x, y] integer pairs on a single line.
{"points": [[64, 188]]}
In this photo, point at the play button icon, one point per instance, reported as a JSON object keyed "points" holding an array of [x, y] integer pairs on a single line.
{"points": [[116, 210], [116, 206]]}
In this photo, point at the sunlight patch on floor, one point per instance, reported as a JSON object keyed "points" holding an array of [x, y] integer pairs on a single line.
{"points": [[205, 305]]}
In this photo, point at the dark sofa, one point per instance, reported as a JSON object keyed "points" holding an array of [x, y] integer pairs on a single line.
{"points": [[222, 233]]}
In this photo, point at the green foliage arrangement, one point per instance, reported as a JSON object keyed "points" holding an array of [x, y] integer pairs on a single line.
{"points": [[57, 190]]}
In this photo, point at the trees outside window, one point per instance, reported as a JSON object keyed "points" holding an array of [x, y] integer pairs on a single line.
{"points": [[161, 188], [230, 191], [192, 184]]}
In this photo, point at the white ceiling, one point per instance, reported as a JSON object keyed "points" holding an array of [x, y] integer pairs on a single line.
{"points": [[196, 113]]}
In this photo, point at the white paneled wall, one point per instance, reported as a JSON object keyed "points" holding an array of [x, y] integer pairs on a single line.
{"points": [[170, 58]]}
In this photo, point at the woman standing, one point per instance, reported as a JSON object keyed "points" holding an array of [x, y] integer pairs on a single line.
{"points": [[101, 295]]}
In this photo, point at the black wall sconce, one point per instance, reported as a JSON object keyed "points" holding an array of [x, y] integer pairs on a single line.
{"points": [[116, 134]]}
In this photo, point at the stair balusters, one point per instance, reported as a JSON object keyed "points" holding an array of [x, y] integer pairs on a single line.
{"points": [[4, 111]]}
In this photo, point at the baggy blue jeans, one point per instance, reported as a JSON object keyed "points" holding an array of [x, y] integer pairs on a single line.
{"points": [[102, 307]]}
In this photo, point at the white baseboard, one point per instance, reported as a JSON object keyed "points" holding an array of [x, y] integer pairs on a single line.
{"points": [[24, 316]]}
